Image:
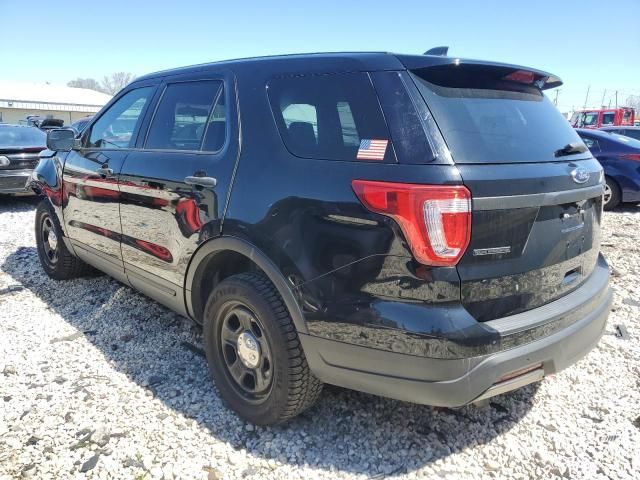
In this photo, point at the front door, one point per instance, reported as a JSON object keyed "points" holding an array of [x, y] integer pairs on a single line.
{"points": [[91, 211], [174, 186]]}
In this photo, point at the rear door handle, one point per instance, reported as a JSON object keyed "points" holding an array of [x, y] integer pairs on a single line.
{"points": [[201, 181], [104, 171]]}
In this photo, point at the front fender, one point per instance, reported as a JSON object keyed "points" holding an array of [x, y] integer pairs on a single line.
{"points": [[46, 181]]}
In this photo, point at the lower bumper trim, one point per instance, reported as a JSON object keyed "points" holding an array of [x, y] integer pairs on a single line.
{"points": [[512, 384], [453, 382]]}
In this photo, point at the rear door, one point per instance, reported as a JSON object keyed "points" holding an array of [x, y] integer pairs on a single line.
{"points": [[537, 191], [91, 210], [174, 185]]}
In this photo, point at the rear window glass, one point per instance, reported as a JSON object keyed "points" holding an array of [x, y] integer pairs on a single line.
{"points": [[331, 117], [488, 118]]}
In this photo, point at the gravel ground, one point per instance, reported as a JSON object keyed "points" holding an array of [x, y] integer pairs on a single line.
{"points": [[97, 381]]}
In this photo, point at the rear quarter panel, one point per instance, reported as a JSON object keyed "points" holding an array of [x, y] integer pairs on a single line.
{"points": [[303, 214]]}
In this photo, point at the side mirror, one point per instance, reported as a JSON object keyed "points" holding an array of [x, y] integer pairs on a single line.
{"points": [[61, 139]]}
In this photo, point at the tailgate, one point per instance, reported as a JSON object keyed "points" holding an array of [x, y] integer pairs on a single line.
{"points": [[535, 241], [536, 189]]}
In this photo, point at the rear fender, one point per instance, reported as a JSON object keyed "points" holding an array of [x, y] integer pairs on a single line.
{"points": [[193, 280]]}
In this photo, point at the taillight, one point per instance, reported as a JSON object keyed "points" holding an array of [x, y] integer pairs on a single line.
{"points": [[435, 220], [631, 156]]}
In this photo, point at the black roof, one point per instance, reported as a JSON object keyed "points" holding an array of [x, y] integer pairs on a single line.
{"points": [[346, 61]]}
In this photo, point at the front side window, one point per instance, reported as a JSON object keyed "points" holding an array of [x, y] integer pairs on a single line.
{"points": [[590, 119], [330, 117], [608, 118], [115, 128], [188, 114]]}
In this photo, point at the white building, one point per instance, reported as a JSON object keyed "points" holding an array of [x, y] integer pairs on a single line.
{"points": [[17, 100]]}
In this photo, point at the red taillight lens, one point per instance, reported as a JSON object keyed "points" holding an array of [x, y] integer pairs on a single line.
{"points": [[631, 156], [435, 220]]}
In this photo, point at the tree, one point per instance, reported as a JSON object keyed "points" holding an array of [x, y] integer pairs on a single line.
{"points": [[634, 101], [90, 83], [115, 82]]}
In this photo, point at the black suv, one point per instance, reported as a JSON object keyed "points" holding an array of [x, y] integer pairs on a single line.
{"points": [[420, 227]]}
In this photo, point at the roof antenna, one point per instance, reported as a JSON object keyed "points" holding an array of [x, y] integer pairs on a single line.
{"points": [[440, 51]]}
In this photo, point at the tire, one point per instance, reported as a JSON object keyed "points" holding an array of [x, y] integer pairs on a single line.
{"points": [[58, 262], [612, 194], [282, 386]]}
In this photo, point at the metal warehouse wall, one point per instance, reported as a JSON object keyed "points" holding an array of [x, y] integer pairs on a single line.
{"points": [[14, 115]]}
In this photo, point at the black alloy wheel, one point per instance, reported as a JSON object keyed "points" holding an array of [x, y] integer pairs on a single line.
{"points": [[246, 351]]}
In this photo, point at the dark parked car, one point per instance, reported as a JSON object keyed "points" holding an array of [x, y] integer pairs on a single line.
{"points": [[80, 125], [44, 123], [415, 226], [633, 132], [19, 148], [620, 157]]}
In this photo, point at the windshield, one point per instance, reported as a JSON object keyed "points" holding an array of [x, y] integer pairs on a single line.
{"points": [[486, 117], [21, 137]]}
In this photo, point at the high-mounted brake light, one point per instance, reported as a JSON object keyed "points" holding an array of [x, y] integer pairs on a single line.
{"points": [[435, 219], [527, 78]]}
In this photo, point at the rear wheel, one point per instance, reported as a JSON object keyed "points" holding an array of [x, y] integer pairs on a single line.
{"points": [[254, 352], [58, 262], [611, 194]]}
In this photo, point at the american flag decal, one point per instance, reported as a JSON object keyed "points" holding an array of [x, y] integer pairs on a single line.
{"points": [[372, 149]]}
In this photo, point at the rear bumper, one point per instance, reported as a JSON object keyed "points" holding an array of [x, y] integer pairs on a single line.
{"points": [[14, 181], [574, 325]]}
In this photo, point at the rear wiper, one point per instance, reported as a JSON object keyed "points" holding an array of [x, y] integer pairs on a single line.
{"points": [[570, 149]]}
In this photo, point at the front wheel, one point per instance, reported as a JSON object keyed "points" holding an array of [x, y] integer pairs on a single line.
{"points": [[254, 353], [56, 260]]}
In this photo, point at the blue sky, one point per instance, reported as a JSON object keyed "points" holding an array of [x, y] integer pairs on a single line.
{"points": [[586, 42]]}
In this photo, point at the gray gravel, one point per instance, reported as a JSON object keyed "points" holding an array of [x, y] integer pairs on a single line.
{"points": [[97, 381]]}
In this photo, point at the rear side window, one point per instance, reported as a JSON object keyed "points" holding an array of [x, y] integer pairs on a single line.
{"points": [[494, 114], [188, 118], [331, 117]]}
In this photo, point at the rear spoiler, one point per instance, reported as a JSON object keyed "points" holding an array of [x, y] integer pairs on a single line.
{"points": [[541, 79]]}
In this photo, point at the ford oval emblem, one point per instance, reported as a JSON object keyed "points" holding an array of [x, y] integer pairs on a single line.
{"points": [[580, 175]]}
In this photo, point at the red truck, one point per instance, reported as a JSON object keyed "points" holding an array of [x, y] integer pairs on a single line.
{"points": [[596, 118]]}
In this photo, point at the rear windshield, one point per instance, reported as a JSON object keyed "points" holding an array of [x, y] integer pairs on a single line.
{"points": [[21, 137], [485, 117]]}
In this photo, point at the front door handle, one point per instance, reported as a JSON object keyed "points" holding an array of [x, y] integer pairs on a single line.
{"points": [[209, 182], [105, 170]]}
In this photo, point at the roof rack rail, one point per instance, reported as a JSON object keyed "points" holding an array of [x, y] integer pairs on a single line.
{"points": [[440, 51]]}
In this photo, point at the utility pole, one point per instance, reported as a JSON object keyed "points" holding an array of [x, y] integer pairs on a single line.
{"points": [[555, 101], [586, 99], [616, 98], [602, 102]]}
